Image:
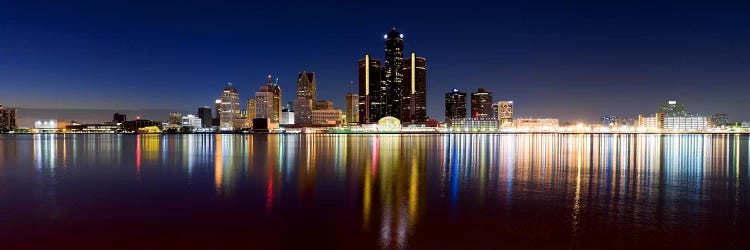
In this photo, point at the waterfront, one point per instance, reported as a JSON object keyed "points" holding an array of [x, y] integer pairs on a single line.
{"points": [[459, 191]]}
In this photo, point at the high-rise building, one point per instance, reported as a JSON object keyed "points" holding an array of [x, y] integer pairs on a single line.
{"points": [[264, 103], [229, 108], [306, 86], [372, 90], [352, 108], [720, 120], [673, 109], [455, 105], [275, 100], [175, 118], [251, 109], [323, 105], [217, 111], [505, 113], [8, 119], [205, 114], [414, 95], [394, 66], [303, 111], [481, 104], [119, 118]]}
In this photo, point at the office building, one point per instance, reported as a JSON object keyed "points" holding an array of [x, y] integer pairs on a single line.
{"points": [[372, 90], [119, 118], [306, 86], [205, 114], [323, 105], [610, 120], [394, 66], [673, 109], [303, 111], [275, 89], [472, 124], [326, 117], [505, 113], [230, 107], [264, 103], [481, 104], [352, 108], [217, 112], [720, 120], [414, 95], [175, 118], [287, 116], [455, 105], [191, 121], [135, 125], [687, 123], [8, 119]]}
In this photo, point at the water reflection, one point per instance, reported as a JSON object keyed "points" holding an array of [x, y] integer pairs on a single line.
{"points": [[396, 186]]}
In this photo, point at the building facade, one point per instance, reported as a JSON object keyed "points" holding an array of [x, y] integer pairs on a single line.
{"points": [[536, 123], [394, 66], [414, 95], [205, 114], [287, 117], [372, 90], [455, 105], [306, 86], [229, 108], [303, 111], [264, 103], [481, 104], [473, 124], [352, 108], [505, 113], [8, 119], [192, 121], [673, 109], [687, 123], [326, 117], [323, 105]]}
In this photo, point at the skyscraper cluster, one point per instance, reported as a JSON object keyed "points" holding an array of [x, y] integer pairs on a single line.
{"points": [[396, 89]]}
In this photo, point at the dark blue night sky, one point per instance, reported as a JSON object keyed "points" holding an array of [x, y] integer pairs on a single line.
{"points": [[572, 60]]}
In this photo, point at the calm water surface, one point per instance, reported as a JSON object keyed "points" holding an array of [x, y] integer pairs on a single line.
{"points": [[374, 191]]}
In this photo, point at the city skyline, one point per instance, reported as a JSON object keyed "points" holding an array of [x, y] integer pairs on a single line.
{"points": [[544, 80]]}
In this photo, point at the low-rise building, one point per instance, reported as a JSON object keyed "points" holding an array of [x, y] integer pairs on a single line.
{"points": [[327, 116], [536, 123], [473, 124]]}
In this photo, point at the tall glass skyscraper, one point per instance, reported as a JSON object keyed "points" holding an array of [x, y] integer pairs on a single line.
{"points": [[455, 105], [414, 96], [481, 104], [394, 66], [372, 90], [230, 107]]}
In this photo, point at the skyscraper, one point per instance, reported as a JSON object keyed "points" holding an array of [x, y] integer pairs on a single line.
{"points": [[275, 89], [505, 113], [303, 111], [394, 66], [414, 101], [230, 107], [372, 90], [264, 103], [251, 113], [481, 104], [352, 108], [455, 105], [217, 110], [673, 109], [205, 114], [306, 86], [8, 117]]}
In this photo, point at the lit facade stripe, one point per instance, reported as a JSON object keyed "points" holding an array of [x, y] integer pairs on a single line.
{"points": [[413, 74], [367, 75]]}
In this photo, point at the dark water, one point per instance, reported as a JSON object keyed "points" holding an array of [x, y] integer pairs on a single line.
{"points": [[374, 191]]}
